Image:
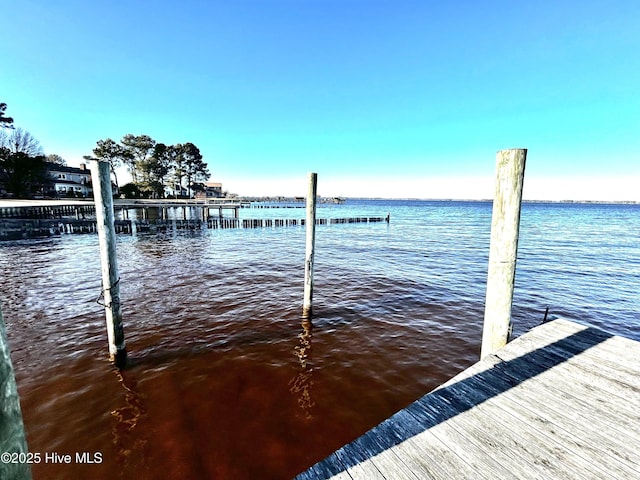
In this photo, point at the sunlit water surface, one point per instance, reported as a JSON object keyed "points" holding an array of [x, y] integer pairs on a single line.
{"points": [[225, 381]]}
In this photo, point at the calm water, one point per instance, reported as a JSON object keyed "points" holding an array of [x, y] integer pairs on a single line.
{"points": [[226, 382]]}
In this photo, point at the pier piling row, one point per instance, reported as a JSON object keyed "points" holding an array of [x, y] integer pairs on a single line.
{"points": [[15, 229], [48, 212]]}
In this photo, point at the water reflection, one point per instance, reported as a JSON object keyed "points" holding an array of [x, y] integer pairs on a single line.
{"points": [[301, 384], [127, 440]]}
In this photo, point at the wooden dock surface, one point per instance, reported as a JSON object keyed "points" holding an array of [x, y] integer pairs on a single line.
{"points": [[560, 402]]}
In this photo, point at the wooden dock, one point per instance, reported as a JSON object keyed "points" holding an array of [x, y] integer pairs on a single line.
{"points": [[560, 402]]}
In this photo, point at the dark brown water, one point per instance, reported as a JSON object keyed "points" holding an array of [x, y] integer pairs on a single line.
{"points": [[225, 381], [214, 394]]}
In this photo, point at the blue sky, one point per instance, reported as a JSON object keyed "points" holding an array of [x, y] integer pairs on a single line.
{"points": [[381, 98]]}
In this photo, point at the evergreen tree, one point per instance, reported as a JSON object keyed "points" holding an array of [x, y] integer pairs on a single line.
{"points": [[6, 122], [112, 152], [138, 149]]}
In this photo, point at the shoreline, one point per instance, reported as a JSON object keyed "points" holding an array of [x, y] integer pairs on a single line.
{"points": [[18, 203], [488, 200]]}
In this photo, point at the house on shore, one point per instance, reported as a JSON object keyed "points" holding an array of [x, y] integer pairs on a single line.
{"points": [[211, 190], [70, 181], [175, 191]]}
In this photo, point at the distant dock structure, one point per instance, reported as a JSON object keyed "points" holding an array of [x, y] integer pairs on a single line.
{"points": [[28, 219]]}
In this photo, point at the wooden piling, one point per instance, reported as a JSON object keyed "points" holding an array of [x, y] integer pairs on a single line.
{"points": [[13, 443], [310, 245], [100, 172], [503, 249]]}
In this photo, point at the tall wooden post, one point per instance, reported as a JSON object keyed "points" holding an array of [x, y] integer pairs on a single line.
{"points": [[100, 173], [503, 249], [12, 436], [310, 245]]}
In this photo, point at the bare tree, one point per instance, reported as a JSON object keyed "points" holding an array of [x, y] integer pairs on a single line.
{"points": [[23, 171], [20, 141]]}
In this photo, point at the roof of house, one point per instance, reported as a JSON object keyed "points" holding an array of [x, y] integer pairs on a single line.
{"points": [[54, 167]]}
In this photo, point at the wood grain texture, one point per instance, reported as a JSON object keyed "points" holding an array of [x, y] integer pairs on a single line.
{"points": [[503, 248], [12, 435]]}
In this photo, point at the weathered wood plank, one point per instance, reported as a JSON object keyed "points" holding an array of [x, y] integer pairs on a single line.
{"points": [[547, 434], [587, 434], [429, 452], [615, 356], [611, 350], [471, 454], [508, 441], [606, 396], [580, 395], [428, 458], [597, 363], [362, 470]]}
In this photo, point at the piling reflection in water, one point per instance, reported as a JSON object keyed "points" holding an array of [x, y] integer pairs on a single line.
{"points": [[301, 384], [128, 442]]}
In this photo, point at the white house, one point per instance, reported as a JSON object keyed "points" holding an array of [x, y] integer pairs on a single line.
{"points": [[70, 180]]}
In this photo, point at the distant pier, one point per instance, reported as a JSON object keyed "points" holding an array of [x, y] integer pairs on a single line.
{"points": [[42, 218]]}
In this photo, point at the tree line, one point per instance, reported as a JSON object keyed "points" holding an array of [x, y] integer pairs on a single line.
{"points": [[23, 170], [156, 169]]}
